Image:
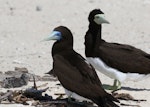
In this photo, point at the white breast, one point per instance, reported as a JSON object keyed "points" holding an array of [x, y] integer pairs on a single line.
{"points": [[114, 73], [76, 96]]}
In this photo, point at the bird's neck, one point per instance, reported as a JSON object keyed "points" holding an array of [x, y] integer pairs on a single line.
{"points": [[60, 47], [95, 30], [92, 39]]}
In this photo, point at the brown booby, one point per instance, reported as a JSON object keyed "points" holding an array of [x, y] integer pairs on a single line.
{"points": [[75, 74], [118, 61]]}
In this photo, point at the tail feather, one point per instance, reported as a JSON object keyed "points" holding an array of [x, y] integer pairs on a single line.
{"points": [[51, 72], [111, 98], [107, 101]]}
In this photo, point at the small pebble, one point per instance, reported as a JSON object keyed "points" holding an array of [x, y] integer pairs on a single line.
{"points": [[38, 8]]}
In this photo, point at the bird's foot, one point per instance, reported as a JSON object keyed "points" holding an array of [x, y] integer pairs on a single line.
{"points": [[108, 87], [116, 86]]}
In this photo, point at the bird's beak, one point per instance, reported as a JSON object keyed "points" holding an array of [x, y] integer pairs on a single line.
{"points": [[55, 35], [100, 19]]}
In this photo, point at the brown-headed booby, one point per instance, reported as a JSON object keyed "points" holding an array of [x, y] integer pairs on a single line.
{"points": [[118, 61], [75, 74]]}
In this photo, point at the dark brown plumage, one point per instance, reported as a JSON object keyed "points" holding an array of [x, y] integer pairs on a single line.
{"points": [[75, 74], [124, 58]]}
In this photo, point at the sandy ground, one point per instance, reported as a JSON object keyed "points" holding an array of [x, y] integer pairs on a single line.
{"points": [[24, 23]]}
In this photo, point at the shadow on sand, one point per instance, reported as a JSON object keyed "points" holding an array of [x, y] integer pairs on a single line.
{"points": [[106, 86], [134, 89]]}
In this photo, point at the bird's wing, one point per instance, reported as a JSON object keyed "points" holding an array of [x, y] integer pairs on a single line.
{"points": [[76, 75], [125, 58]]}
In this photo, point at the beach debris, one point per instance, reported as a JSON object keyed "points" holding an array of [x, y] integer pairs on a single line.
{"points": [[38, 99], [18, 97], [20, 77], [22, 70], [13, 97], [18, 62], [12, 82], [48, 78], [126, 96], [4, 96], [38, 8], [60, 95], [130, 105], [43, 85], [17, 78], [22, 96], [37, 94]]}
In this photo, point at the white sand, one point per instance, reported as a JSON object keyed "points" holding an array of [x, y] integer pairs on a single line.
{"points": [[22, 28]]}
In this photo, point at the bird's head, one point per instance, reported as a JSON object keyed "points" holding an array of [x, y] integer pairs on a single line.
{"points": [[97, 16], [60, 33]]}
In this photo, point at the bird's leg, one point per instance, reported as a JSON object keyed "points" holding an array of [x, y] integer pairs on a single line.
{"points": [[116, 86], [115, 83], [119, 84]]}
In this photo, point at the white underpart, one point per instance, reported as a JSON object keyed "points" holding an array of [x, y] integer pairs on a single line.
{"points": [[76, 96], [114, 73]]}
